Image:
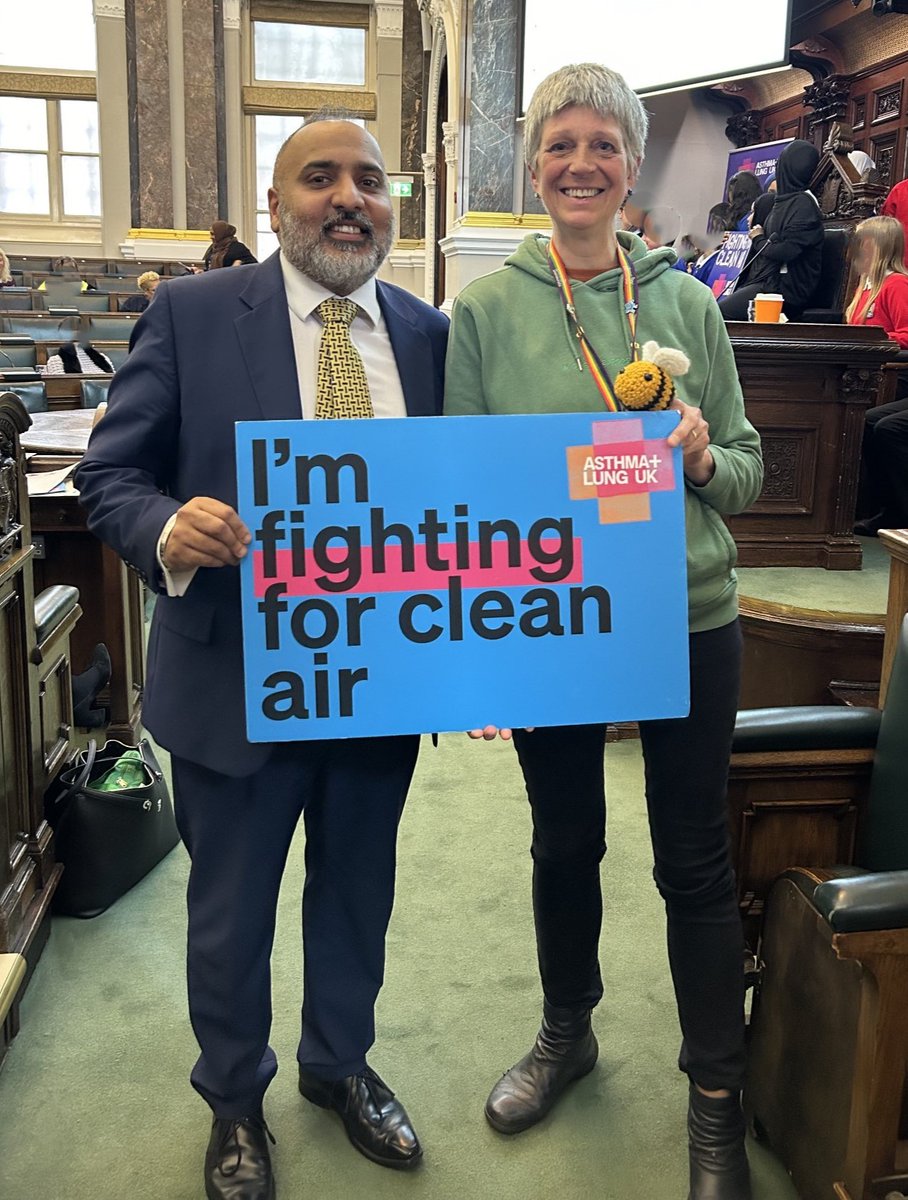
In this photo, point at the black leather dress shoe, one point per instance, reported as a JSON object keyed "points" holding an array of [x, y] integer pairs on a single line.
{"points": [[238, 1163], [376, 1123], [718, 1160], [565, 1049]]}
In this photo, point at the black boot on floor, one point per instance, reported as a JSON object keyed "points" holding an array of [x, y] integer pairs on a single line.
{"points": [[565, 1049], [86, 687], [718, 1160]]}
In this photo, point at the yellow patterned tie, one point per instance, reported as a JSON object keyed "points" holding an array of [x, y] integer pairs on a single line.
{"points": [[341, 389]]}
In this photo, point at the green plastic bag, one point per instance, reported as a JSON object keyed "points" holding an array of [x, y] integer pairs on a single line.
{"points": [[127, 772]]}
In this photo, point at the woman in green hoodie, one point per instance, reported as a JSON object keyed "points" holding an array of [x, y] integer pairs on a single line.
{"points": [[515, 348]]}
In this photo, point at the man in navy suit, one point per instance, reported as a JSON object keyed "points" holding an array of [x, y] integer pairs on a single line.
{"points": [[159, 484]]}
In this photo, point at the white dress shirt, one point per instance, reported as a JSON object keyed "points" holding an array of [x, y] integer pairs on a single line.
{"points": [[369, 335]]}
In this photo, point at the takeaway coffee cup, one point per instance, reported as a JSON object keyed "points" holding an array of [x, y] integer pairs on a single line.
{"points": [[768, 306]]}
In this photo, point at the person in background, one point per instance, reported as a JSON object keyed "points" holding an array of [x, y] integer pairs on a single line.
{"points": [[896, 205], [789, 263], [148, 282], [881, 298], [862, 162], [78, 358], [584, 140], [716, 232], [67, 269], [226, 250], [740, 194], [6, 275], [661, 226]]}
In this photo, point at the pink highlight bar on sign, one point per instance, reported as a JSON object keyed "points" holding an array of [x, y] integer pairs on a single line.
{"points": [[394, 578]]}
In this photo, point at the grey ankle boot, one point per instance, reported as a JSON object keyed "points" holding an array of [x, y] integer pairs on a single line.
{"points": [[718, 1160], [565, 1049]]}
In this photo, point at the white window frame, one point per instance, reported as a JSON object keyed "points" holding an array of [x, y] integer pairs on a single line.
{"points": [[30, 228], [312, 96], [54, 155]]}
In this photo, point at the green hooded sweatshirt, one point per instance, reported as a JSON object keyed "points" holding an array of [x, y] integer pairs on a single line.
{"points": [[511, 350]]}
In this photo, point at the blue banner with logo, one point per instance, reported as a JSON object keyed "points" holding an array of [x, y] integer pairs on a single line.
{"points": [[447, 573], [760, 160]]}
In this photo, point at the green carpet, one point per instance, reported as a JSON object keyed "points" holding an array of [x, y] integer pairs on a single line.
{"points": [[863, 591], [94, 1097]]}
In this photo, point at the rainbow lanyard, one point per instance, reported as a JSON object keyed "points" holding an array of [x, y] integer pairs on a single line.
{"points": [[631, 304]]}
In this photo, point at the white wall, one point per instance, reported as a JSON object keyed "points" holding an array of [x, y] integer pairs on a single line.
{"points": [[686, 157]]}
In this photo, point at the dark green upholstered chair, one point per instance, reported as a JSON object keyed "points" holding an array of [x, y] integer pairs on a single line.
{"points": [[17, 350], [117, 352], [32, 395], [13, 299], [109, 327], [41, 328], [94, 391], [92, 302], [828, 1074]]}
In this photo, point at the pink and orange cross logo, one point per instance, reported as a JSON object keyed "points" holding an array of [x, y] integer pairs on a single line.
{"points": [[620, 470]]}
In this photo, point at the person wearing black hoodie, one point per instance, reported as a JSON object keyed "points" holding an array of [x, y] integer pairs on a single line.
{"points": [[788, 262]]}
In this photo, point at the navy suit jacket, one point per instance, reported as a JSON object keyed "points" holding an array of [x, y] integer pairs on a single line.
{"points": [[211, 350]]}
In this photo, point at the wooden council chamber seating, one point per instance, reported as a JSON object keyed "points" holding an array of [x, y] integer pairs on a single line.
{"points": [[36, 719], [800, 793], [828, 1062], [68, 553]]}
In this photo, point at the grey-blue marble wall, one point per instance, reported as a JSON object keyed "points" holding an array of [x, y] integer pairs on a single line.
{"points": [[412, 121], [150, 163], [494, 35]]}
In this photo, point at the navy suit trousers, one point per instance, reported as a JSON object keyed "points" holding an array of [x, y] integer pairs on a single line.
{"points": [[350, 794]]}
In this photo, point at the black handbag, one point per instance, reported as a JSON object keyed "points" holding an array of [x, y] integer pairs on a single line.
{"points": [[109, 837]]}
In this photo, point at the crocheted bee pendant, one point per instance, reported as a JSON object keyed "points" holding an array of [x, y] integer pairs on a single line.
{"points": [[648, 384]]}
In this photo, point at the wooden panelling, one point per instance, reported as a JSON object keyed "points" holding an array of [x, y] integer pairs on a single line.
{"points": [[806, 390]]}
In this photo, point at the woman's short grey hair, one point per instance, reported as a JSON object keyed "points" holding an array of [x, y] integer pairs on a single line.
{"points": [[587, 85]]}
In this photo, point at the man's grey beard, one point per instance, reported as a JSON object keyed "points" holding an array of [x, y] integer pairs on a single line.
{"points": [[341, 267]]}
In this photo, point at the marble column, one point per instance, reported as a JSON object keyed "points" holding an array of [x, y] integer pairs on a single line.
{"points": [[412, 121], [492, 116], [150, 158], [176, 63], [203, 113], [113, 122], [497, 207]]}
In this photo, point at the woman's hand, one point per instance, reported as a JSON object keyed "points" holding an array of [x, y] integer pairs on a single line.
{"points": [[692, 435], [755, 231], [490, 733]]}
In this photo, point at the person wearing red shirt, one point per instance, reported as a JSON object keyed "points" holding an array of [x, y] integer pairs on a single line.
{"points": [[896, 205], [881, 298]]}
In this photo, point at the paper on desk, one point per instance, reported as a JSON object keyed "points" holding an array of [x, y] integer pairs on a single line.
{"points": [[42, 482]]}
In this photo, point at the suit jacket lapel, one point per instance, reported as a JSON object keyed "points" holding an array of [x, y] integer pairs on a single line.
{"points": [[267, 343], [412, 350]]}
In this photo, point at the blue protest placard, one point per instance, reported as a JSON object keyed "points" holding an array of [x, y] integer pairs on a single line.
{"points": [[728, 263], [446, 573]]}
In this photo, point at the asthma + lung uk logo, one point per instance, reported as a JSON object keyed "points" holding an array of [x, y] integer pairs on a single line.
{"points": [[620, 470]]}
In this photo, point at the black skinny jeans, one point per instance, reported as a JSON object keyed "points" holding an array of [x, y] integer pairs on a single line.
{"points": [[686, 764]]}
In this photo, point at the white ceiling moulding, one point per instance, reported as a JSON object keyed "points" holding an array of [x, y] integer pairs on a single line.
{"points": [[110, 8]]}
